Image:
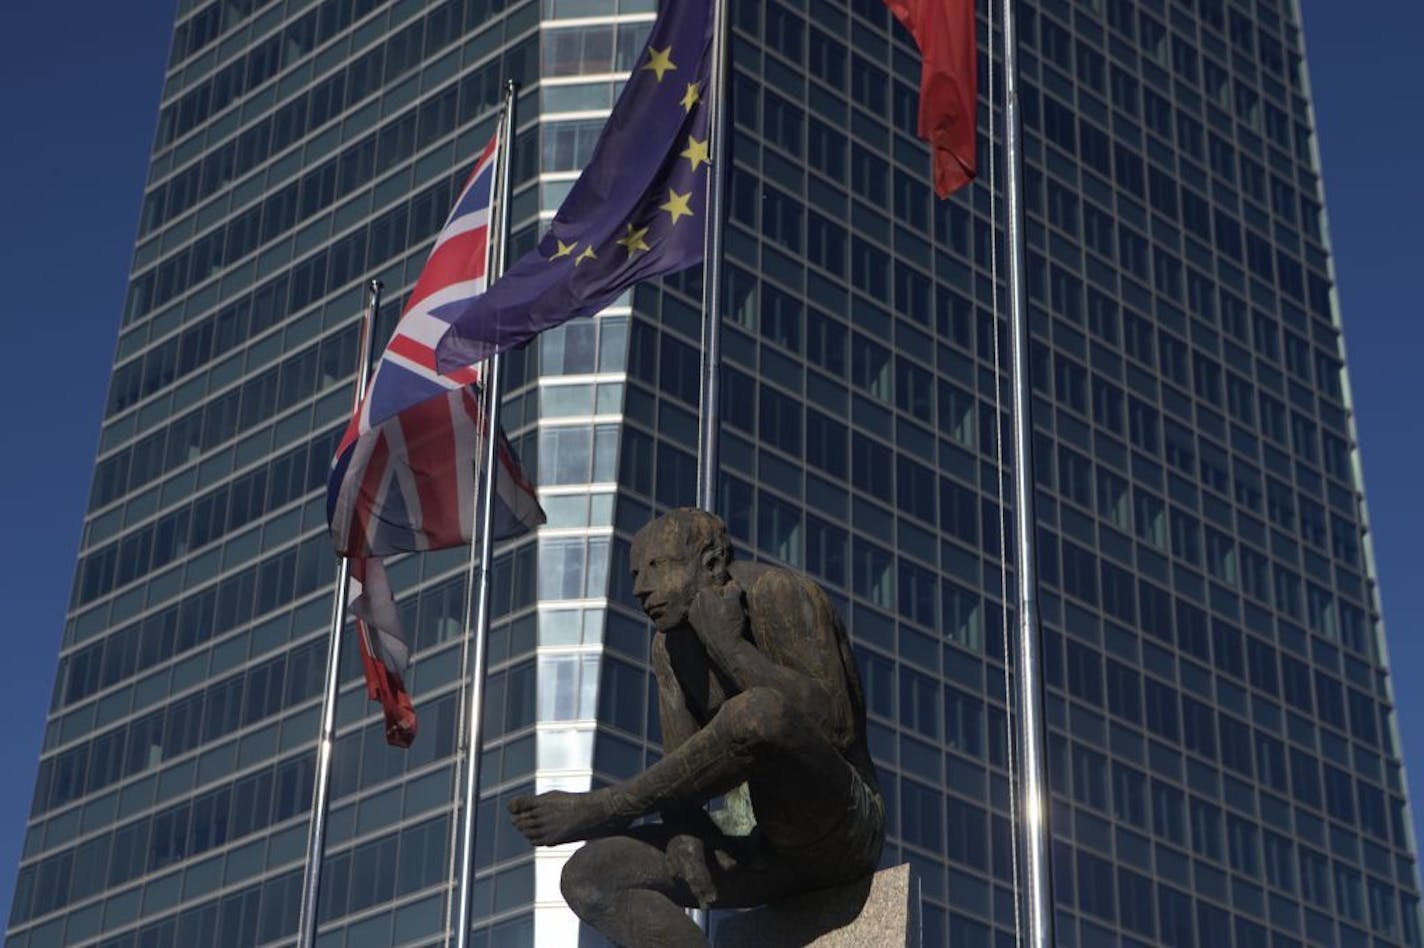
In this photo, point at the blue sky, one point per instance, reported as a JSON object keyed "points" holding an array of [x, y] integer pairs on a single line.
{"points": [[79, 106]]}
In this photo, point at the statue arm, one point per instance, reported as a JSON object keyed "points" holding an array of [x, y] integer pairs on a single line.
{"points": [[719, 616], [676, 719], [677, 725]]}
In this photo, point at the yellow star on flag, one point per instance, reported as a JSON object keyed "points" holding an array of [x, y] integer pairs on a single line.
{"points": [[696, 152], [633, 240], [660, 61], [564, 249], [692, 96], [587, 254], [676, 205]]}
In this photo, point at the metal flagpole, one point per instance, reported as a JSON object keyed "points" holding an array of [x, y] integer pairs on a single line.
{"points": [[1027, 671], [707, 465], [321, 792], [474, 702], [712, 264]]}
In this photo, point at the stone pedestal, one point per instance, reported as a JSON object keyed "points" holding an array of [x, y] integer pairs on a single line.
{"points": [[879, 911]]}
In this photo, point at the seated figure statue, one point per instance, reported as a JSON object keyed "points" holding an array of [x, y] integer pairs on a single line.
{"points": [[756, 685]]}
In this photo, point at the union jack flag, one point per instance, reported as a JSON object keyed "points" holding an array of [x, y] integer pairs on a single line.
{"points": [[404, 474]]}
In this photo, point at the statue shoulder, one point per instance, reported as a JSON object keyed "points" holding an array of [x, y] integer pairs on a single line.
{"points": [[775, 588], [747, 574]]}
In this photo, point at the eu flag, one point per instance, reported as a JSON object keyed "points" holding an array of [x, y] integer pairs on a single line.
{"points": [[637, 210]]}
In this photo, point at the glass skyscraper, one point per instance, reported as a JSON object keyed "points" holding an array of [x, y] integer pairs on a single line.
{"points": [[1222, 749]]}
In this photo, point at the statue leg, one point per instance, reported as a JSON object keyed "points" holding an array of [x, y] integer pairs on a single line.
{"points": [[626, 887]]}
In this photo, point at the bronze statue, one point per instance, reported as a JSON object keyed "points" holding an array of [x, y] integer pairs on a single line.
{"points": [[756, 685]]}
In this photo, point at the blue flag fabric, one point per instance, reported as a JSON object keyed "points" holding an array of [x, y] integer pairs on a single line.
{"points": [[637, 211]]}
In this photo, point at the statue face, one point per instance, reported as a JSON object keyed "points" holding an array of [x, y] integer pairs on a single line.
{"points": [[666, 580]]}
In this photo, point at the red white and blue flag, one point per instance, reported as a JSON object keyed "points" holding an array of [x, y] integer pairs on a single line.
{"points": [[403, 478]]}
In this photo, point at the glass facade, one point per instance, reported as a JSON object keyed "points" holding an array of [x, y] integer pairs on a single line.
{"points": [[1222, 750]]}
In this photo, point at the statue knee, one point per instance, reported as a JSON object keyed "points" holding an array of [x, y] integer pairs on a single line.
{"points": [[584, 882], [762, 719]]}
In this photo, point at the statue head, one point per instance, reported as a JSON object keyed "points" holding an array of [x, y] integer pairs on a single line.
{"points": [[673, 558]]}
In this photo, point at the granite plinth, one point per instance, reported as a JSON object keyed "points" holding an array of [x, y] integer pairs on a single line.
{"points": [[879, 911]]}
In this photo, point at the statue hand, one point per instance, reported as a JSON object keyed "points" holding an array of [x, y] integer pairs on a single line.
{"points": [[687, 857], [718, 615]]}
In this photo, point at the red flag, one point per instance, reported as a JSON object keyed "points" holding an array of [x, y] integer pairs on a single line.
{"points": [[384, 654], [944, 31]]}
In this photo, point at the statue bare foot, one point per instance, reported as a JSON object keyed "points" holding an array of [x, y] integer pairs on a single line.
{"points": [[558, 817]]}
